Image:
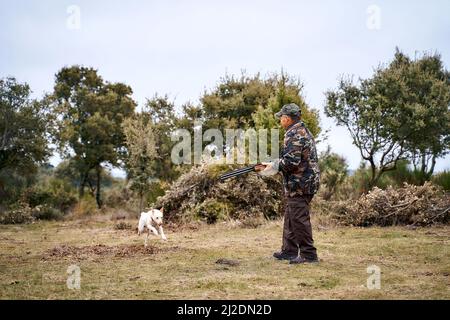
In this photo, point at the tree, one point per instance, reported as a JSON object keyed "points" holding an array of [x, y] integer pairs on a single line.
{"points": [[252, 101], [140, 141], [390, 115], [426, 112], [24, 125], [88, 128], [67, 171], [368, 124], [163, 120]]}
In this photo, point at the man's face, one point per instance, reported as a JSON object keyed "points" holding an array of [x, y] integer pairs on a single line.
{"points": [[285, 121]]}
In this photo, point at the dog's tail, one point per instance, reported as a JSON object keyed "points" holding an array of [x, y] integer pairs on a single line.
{"points": [[141, 226]]}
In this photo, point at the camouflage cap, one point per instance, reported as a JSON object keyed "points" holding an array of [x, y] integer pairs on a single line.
{"points": [[290, 109]]}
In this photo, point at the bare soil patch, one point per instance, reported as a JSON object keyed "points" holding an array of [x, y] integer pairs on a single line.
{"points": [[85, 252]]}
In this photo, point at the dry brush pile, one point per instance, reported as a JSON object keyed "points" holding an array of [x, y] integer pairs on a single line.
{"points": [[198, 194], [410, 205]]}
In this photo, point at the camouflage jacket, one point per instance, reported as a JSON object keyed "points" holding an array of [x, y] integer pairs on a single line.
{"points": [[298, 161]]}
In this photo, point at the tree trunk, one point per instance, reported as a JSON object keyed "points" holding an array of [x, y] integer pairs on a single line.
{"points": [[81, 187], [91, 188], [429, 173], [425, 175], [97, 195], [375, 180], [374, 176], [423, 170]]}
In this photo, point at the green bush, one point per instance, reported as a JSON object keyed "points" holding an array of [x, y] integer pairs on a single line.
{"points": [[442, 179], [212, 210], [11, 186], [333, 172], [36, 196], [117, 197], [360, 179], [87, 206], [156, 190], [404, 173], [63, 195], [396, 178], [56, 193]]}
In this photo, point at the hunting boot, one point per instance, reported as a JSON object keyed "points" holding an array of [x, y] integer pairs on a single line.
{"points": [[300, 260], [284, 256]]}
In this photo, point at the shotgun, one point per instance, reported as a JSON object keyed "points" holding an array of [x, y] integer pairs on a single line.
{"points": [[237, 172]]}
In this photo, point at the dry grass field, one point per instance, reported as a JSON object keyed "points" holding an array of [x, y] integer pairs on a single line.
{"points": [[34, 259]]}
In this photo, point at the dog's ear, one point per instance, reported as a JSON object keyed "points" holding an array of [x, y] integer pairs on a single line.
{"points": [[162, 209]]}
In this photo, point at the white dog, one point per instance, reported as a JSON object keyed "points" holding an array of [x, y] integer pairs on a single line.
{"points": [[151, 219]]}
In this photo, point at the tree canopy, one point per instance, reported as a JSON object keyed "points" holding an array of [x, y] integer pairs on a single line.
{"points": [[252, 101], [90, 113], [140, 142], [401, 111], [23, 128]]}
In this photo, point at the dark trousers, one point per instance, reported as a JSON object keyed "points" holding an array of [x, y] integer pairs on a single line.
{"points": [[297, 231]]}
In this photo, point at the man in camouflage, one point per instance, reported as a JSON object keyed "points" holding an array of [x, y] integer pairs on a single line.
{"points": [[299, 165]]}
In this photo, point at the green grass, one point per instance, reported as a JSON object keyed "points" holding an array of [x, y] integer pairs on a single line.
{"points": [[415, 264]]}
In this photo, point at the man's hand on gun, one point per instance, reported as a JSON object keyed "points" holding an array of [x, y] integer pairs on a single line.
{"points": [[260, 167], [267, 168]]}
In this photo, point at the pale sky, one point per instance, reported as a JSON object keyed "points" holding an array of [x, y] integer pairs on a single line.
{"points": [[181, 48]]}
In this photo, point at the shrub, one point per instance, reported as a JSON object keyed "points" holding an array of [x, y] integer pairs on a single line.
{"points": [[45, 212], [156, 190], [360, 179], [63, 196], [123, 226], [35, 196], [12, 185], [212, 210], [359, 182], [200, 193], [56, 193], [116, 197], [17, 213], [404, 173], [252, 222], [85, 207], [442, 179], [333, 172]]}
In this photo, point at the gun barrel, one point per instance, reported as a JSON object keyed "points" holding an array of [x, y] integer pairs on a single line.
{"points": [[236, 173]]}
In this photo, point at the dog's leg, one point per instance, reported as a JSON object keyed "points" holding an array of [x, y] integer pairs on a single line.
{"points": [[152, 229], [141, 226], [161, 232], [146, 238]]}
